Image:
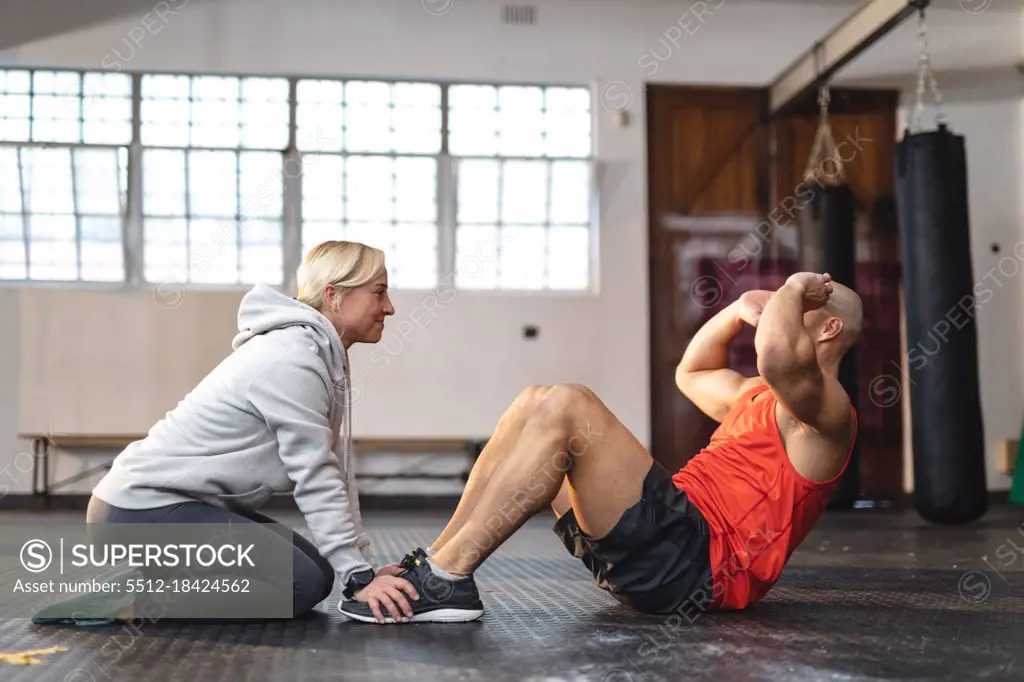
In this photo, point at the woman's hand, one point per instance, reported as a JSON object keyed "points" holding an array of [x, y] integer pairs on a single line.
{"points": [[391, 569], [387, 591]]}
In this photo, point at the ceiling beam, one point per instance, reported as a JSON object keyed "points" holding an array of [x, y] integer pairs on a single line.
{"points": [[865, 26]]}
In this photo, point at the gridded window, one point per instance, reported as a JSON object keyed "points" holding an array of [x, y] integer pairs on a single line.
{"points": [[487, 120], [523, 224], [368, 117], [523, 218], [381, 189], [214, 111], [213, 216], [61, 213], [65, 107], [385, 201]]}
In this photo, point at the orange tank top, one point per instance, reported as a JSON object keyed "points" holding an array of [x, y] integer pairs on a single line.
{"points": [[758, 508]]}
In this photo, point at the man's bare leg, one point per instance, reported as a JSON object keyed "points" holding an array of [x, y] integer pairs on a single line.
{"points": [[570, 432], [506, 435]]}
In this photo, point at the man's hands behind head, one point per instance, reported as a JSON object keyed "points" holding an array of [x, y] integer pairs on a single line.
{"points": [[751, 304], [816, 288]]}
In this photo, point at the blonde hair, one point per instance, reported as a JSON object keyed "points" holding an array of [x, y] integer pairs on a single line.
{"points": [[347, 265]]}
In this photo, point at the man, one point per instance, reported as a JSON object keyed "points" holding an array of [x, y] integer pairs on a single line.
{"points": [[718, 533]]}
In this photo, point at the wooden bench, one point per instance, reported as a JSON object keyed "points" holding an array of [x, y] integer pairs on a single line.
{"points": [[43, 445]]}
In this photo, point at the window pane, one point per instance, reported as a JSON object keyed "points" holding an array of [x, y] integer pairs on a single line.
{"points": [[417, 130], [52, 228], [261, 254], [16, 106], [521, 133], [319, 115], [377, 235], [212, 184], [478, 191], [265, 125], [416, 189], [570, 192], [417, 118], [106, 230], [97, 180], [215, 111], [524, 192], [261, 184], [10, 181], [414, 263], [215, 123], [317, 231], [262, 264], [568, 134], [46, 174], [264, 113], [473, 97], [476, 264], [521, 121], [260, 233], [369, 188], [14, 130], [165, 122], [213, 251], [53, 252], [102, 261], [367, 128], [473, 132], [322, 187], [12, 254], [12, 228], [165, 253], [163, 182]]}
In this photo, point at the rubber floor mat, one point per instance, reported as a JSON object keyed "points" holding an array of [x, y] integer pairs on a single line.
{"points": [[871, 595]]}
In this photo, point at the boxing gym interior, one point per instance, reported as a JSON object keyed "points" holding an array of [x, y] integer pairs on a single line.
{"points": [[566, 191]]}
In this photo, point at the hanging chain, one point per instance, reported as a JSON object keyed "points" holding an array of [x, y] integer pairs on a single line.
{"points": [[824, 148], [925, 76]]}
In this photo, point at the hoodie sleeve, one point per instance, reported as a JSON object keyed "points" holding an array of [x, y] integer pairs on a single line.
{"points": [[293, 399]]}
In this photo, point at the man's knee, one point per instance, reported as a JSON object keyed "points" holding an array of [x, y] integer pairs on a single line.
{"points": [[563, 403]]}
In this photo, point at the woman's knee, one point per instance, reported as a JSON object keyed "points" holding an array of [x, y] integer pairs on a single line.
{"points": [[312, 585]]}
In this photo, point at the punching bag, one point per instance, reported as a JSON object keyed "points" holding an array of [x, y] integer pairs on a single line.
{"points": [[942, 354], [836, 209]]}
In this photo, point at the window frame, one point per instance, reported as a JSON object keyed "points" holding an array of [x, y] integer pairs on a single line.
{"points": [[133, 217]]}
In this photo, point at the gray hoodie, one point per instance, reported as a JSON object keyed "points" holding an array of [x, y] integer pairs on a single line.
{"points": [[266, 420]]}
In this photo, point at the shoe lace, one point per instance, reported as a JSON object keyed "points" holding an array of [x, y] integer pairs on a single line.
{"points": [[410, 560]]}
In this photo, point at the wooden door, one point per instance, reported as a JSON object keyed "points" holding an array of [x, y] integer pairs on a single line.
{"points": [[717, 177], [707, 161], [864, 123]]}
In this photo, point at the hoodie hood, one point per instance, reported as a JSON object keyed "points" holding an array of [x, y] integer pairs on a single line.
{"points": [[264, 309]]}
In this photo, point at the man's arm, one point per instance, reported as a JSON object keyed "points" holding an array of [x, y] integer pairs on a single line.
{"points": [[703, 375], [787, 360]]}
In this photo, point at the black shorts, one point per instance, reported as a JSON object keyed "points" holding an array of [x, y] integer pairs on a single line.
{"points": [[657, 558]]}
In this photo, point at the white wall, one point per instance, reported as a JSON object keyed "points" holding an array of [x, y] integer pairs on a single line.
{"points": [[454, 376]]}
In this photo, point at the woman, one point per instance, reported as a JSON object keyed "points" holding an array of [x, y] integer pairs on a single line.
{"points": [[273, 417]]}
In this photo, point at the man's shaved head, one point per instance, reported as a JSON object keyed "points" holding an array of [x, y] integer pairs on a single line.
{"points": [[840, 322]]}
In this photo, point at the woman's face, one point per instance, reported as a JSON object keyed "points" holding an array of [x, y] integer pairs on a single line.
{"points": [[358, 314]]}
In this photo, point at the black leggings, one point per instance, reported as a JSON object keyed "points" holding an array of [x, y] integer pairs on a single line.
{"points": [[312, 575]]}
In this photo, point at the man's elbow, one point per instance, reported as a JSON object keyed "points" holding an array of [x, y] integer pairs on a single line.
{"points": [[775, 362], [683, 378]]}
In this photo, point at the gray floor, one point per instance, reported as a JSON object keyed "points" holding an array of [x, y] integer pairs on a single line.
{"points": [[872, 595]]}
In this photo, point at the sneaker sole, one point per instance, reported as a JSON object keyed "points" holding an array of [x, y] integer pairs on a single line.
{"points": [[438, 616]]}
